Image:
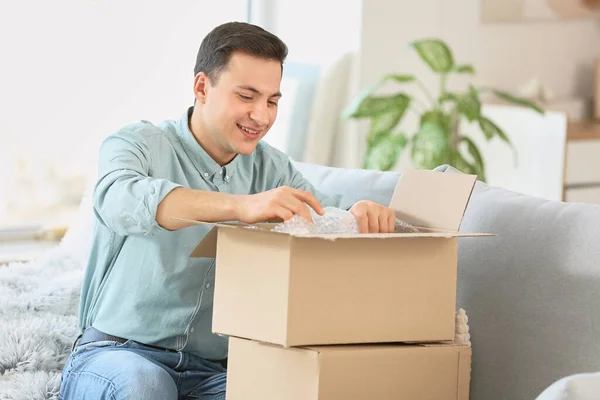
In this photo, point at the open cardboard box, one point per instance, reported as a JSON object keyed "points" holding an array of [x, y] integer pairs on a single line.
{"points": [[295, 290], [263, 371]]}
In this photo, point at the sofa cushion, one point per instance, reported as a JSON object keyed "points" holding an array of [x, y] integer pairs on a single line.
{"points": [[352, 184], [574, 387], [531, 292]]}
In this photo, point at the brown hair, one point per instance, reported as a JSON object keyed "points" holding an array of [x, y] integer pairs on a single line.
{"points": [[217, 47]]}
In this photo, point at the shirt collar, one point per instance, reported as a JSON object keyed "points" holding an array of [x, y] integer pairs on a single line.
{"points": [[200, 158]]}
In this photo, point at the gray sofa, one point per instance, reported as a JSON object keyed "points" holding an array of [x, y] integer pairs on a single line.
{"points": [[531, 293]]}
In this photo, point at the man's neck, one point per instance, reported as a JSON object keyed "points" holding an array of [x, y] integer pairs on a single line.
{"points": [[205, 141]]}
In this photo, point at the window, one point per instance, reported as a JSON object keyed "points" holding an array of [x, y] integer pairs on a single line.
{"points": [[323, 39], [73, 72]]}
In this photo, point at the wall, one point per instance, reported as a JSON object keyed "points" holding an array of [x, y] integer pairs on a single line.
{"points": [[506, 55], [316, 31], [322, 39], [73, 72]]}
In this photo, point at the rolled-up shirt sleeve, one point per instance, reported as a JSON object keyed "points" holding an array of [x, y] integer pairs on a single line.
{"points": [[126, 195]]}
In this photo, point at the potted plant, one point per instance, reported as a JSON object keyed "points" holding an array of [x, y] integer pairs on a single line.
{"points": [[438, 139]]}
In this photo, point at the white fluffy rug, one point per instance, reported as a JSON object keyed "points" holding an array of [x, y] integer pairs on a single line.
{"points": [[38, 322]]}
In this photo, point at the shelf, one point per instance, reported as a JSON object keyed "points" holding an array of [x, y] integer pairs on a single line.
{"points": [[583, 130]]}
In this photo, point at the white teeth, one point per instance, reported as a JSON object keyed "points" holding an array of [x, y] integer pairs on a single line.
{"points": [[248, 130]]}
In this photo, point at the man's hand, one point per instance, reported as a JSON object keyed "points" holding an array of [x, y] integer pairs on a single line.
{"points": [[276, 204], [373, 217]]}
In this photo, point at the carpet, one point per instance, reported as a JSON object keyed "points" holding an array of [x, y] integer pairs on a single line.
{"points": [[38, 323]]}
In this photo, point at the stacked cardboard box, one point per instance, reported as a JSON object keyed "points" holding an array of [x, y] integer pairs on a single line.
{"points": [[597, 91], [346, 316]]}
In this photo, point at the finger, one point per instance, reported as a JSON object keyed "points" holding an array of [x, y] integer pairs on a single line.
{"points": [[361, 221], [302, 210], [310, 199], [297, 207], [283, 213], [373, 222], [384, 227], [392, 222]]}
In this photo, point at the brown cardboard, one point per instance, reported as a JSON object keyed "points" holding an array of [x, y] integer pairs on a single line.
{"points": [[432, 199], [597, 90], [296, 290], [263, 371]]}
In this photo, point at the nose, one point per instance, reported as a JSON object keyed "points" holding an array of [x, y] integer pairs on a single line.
{"points": [[260, 115]]}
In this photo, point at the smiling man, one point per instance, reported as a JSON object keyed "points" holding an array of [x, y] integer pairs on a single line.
{"points": [[146, 307]]}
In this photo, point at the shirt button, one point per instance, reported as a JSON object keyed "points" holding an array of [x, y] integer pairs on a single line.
{"points": [[191, 329], [226, 177], [206, 174], [207, 285]]}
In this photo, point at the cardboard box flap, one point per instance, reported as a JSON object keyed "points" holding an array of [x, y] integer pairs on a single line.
{"points": [[432, 199], [208, 245], [341, 236]]}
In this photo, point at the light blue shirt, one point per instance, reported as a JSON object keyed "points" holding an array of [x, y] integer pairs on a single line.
{"points": [[140, 282]]}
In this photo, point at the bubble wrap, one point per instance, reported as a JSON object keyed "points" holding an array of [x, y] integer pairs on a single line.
{"points": [[335, 220], [462, 335]]}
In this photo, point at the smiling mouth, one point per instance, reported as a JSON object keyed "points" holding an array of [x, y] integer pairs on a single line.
{"points": [[253, 132]]}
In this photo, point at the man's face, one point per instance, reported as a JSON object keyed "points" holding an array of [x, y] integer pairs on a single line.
{"points": [[240, 109]]}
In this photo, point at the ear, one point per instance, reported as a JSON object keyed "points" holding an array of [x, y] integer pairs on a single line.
{"points": [[201, 85]]}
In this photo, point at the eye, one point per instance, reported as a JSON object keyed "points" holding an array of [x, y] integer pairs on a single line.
{"points": [[247, 98], [273, 103]]}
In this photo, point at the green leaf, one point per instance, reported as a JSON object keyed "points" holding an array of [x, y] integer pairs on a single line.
{"points": [[399, 78], [377, 105], [517, 100], [362, 104], [430, 146], [464, 69], [385, 152], [359, 99], [473, 90], [437, 117], [383, 124], [468, 103], [490, 129], [459, 162], [436, 54], [474, 152], [447, 96], [469, 106]]}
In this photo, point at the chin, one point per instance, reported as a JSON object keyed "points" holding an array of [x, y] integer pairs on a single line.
{"points": [[246, 148]]}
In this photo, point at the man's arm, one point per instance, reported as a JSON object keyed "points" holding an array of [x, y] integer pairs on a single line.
{"points": [[196, 205], [126, 197], [129, 201], [276, 204]]}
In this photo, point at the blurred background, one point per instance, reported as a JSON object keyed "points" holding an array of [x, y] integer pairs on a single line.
{"points": [[74, 71]]}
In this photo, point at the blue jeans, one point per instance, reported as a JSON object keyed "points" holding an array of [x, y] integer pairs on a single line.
{"points": [[109, 370]]}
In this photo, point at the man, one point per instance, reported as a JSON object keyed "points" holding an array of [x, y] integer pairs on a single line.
{"points": [[146, 307]]}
